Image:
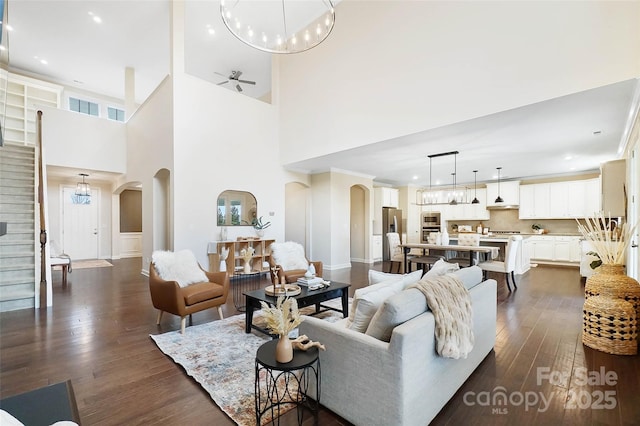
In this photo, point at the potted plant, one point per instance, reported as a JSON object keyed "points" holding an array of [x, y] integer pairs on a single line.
{"points": [[260, 226]]}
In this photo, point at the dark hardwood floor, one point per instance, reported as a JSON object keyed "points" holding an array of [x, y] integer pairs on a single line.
{"points": [[97, 335]]}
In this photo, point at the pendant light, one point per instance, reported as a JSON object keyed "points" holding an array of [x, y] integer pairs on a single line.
{"points": [[475, 188], [82, 188], [453, 200], [499, 198]]}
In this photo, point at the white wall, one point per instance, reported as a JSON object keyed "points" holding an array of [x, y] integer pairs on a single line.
{"points": [[392, 68], [149, 149], [223, 140], [331, 217], [82, 141]]}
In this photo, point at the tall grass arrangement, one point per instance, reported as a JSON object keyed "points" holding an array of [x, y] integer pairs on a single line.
{"points": [[608, 239]]}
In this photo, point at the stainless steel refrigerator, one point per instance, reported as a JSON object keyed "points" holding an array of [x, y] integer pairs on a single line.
{"points": [[391, 222]]}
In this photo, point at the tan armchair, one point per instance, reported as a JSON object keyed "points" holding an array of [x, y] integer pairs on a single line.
{"points": [[168, 296], [289, 253]]}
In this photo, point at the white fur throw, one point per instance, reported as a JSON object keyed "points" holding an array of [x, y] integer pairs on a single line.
{"points": [[181, 266], [450, 303], [289, 255]]}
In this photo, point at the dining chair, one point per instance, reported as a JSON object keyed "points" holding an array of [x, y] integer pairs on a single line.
{"points": [[466, 239], [509, 265], [395, 251]]}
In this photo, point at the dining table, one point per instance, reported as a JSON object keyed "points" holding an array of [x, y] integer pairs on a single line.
{"points": [[486, 250]]}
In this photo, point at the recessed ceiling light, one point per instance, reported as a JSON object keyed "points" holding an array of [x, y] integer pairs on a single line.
{"points": [[568, 157], [96, 18], [415, 177], [43, 61]]}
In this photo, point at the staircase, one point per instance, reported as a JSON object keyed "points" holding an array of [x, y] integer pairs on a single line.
{"points": [[17, 247]]}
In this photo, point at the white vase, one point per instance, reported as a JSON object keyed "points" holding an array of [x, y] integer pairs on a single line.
{"points": [[260, 232], [444, 237], [247, 266]]}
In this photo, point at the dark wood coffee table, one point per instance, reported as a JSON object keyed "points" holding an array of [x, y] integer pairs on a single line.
{"points": [[305, 298]]}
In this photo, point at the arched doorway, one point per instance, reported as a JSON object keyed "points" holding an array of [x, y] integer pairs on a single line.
{"points": [[162, 237]]}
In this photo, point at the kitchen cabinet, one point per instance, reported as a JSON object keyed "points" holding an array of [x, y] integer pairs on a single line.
{"points": [[550, 248], [467, 211], [509, 192], [559, 200], [523, 261], [376, 248], [388, 197], [534, 201]]}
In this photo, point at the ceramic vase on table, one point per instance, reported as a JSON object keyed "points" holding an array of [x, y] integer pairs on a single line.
{"points": [[284, 350], [247, 267]]}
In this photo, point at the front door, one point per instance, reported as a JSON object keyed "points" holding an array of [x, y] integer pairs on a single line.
{"points": [[80, 224]]}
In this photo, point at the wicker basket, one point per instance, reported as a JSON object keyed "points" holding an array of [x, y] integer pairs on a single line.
{"points": [[611, 280], [609, 325]]}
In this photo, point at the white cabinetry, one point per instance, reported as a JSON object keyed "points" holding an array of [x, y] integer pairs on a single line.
{"points": [[552, 249], [509, 192], [534, 201], [559, 200], [388, 197], [467, 211], [24, 97], [376, 248]]}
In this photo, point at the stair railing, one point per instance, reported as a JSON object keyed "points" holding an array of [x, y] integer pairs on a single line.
{"points": [[41, 201]]}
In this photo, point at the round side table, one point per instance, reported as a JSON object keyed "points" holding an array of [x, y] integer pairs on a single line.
{"points": [[242, 282], [285, 383]]}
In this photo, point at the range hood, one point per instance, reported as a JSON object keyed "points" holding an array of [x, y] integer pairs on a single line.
{"points": [[504, 207]]}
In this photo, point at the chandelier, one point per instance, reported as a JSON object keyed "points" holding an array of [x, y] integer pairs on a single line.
{"points": [[454, 195], [82, 188], [279, 26]]}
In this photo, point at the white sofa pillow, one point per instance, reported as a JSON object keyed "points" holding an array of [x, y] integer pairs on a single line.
{"points": [[367, 300], [394, 311], [376, 277], [181, 266], [441, 268], [289, 255]]}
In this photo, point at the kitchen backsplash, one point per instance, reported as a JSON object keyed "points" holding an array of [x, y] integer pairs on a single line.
{"points": [[507, 220]]}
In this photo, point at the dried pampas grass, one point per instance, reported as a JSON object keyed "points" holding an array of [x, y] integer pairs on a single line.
{"points": [[609, 240], [282, 318]]}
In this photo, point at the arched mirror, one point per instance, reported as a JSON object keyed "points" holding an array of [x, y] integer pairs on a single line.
{"points": [[237, 208]]}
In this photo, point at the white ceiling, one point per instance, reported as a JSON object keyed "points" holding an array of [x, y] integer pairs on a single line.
{"points": [[534, 140]]}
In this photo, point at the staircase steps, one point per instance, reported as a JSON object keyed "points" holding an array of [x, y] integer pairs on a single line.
{"points": [[17, 247]]}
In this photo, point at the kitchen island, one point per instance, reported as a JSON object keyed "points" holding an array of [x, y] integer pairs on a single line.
{"points": [[523, 258]]}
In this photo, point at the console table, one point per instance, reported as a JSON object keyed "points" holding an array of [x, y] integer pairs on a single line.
{"points": [[234, 262]]}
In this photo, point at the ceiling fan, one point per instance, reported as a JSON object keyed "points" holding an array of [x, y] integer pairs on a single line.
{"points": [[235, 77]]}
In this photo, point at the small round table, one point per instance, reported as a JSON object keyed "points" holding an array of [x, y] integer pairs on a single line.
{"points": [[285, 383], [242, 282]]}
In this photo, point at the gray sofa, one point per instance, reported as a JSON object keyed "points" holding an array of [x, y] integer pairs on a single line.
{"points": [[403, 382]]}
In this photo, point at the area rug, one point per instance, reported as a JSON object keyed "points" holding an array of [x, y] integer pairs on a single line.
{"points": [[220, 356], [84, 264]]}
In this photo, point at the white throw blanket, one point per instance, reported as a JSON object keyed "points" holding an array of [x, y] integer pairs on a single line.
{"points": [[450, 303]]}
